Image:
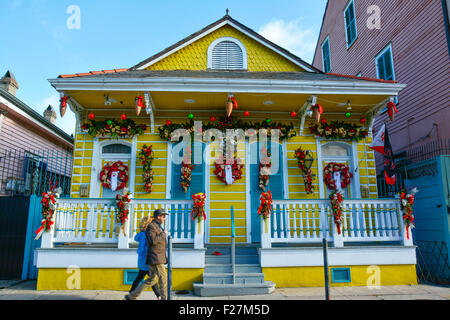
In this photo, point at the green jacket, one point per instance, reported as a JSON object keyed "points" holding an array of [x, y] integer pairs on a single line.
{"points": [[157, 245]]}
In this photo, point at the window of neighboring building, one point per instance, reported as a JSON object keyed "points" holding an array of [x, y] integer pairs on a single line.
{"points": [[350, 23], [227, 53], [326, 60], [385, 64]]}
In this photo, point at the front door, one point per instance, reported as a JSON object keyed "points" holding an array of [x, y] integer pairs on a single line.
{"points": [[275, 186]]}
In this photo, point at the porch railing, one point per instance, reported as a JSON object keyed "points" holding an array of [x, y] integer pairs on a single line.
{"points": [[310, 221], [92, 221]]}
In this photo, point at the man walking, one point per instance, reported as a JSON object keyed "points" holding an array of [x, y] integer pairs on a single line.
{"points": [[156, 257]]}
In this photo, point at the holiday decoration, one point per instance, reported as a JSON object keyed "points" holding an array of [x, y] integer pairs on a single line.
{"points": [[190, 116], [305, 167], [168, 123], [392, 110], [406, 205], [231, 102], [113, 128], [186, 171], [198, 211], [224, 123], [293, 114], [337, 205], [348, 114], [337, 176], [123, 117], [114, 175], [363, 120], [139, 104], [146, 158], [123, 202], [228, 173], [317, 111], [91, 116], [48, 208], [63, 105], [323, 121], [265, 207], [264, 171], [246, 114], [268, 121], [213, 119], [339, 131]]}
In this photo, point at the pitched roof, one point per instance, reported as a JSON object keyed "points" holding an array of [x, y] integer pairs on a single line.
{"points": [[92, 73], [227, 19]]}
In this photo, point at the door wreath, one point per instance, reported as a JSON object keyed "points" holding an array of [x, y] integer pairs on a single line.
{"points": [[337, 170], [234, 171], [114, 175]]}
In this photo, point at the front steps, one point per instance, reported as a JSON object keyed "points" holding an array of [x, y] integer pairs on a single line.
{"points": [[218, 274]]}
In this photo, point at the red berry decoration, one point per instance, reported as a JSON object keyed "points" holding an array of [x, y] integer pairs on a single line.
{"points": [[246, 114], [91, 116], [213, 119], [293, 114], [123, 117], [168, 123], [324, 121], [363, 120]]}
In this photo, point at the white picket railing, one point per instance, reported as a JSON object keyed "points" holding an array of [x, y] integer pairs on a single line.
{"points": [[309, 221], [93, 220]]}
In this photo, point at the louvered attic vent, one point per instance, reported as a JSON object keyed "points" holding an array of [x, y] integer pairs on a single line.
{"points": [[227, 55]]}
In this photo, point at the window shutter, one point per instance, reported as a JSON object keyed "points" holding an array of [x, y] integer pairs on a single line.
{"points": [[227, 55]]}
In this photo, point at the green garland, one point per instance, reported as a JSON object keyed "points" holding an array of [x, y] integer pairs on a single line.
{"points": [[339, 130], [113, 128], [286, 131]]}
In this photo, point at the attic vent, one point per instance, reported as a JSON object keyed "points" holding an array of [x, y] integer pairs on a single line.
{"points": [[227, 54]]}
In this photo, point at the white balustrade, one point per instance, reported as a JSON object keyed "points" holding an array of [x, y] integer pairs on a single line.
{"points": [[93, 221], [308, 221]]}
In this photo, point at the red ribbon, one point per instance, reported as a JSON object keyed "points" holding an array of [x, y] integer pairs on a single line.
{"points": [[64, 101], [140, 101], [199, 203], [266, 200], [391, 108], [234, 102]]}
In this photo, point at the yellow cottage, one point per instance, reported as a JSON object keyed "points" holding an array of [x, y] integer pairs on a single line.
{"points": [[325, 120]]}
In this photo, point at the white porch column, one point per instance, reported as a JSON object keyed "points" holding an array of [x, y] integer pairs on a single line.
{"points": [[407, 242], [47, 238], [338, 239], [123, 238], [199, 235], [266, 240]]}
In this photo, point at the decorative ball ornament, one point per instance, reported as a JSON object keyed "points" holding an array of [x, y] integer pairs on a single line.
{"points": [[246, 114], [324, 121], [91, 116], [363, 120], [213, 119], [109, 122], [168, 122], [190, 116], [293, 114], [268, 120], [123, 117], [348, 114]]}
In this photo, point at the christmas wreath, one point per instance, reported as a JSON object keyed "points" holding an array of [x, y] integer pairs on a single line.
{"points": [[236, 170], [308, 176], [345, 176], [114, 175], [146, 157]]}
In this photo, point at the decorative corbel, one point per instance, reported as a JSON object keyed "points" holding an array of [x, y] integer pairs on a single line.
{"points": [[150, 109], [303, 111]]}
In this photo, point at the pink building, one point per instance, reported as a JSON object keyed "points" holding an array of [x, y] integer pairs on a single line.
{"points": [[402, 40], [32, 149]]}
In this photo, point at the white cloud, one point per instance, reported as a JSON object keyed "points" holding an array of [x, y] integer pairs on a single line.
{"points": [[291, 36], [67, 123]]}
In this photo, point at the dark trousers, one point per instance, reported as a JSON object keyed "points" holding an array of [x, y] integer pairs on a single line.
{"points": [[138, 280]]}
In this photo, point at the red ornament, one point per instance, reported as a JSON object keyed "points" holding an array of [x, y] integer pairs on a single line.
{"points": [[392, 110], [91, 116], [324, 121], [63, 106], [213, 119], [293, 114], [363, 120], [168, 123], [246, 114], [123, 117]]}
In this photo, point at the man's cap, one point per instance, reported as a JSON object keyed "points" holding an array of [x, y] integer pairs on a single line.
{"points": [[159, 212]]}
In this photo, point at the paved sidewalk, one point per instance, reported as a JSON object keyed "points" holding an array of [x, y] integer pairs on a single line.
{"points": [[27, 291]]}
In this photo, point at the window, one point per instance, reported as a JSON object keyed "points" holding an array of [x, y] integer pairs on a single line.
{"points": [[116, 148], [385, 64], [227, 53], [326, 60], [350, 23]]}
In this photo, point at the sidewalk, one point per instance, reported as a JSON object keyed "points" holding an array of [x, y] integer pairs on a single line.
{"points": [[27, 291]]}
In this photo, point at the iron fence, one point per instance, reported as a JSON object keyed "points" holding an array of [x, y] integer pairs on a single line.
{"points": [[429, 150], [27, 172], [432, 262]]}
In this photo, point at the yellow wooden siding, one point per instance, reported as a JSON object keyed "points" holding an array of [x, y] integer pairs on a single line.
{"points": [[194, 55]]}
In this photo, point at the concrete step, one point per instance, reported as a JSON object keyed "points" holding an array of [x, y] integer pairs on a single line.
{"points": [[227, 268], [227, 250], [227, 278], [226, 259], [218, 290]]}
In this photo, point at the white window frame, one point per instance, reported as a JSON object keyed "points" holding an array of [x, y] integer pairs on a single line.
{"points": [[345, 24], [234, 40], [327, 40]]}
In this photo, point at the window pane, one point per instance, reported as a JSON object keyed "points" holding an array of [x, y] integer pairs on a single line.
{"points": [[334, 150], [380, 64], [388, 69], [116, 148]]}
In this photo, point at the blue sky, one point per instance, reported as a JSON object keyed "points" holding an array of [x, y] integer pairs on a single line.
{"points": [[36, 44]]}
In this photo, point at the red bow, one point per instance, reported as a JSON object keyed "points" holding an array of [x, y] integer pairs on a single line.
{"points": [[266, 202], [391, 108]]}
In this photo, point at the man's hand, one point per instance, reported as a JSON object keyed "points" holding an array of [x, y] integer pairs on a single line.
{"points": [[166, 232]]}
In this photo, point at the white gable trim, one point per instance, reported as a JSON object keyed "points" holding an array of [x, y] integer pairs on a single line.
{"points": [[226, 22]]}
